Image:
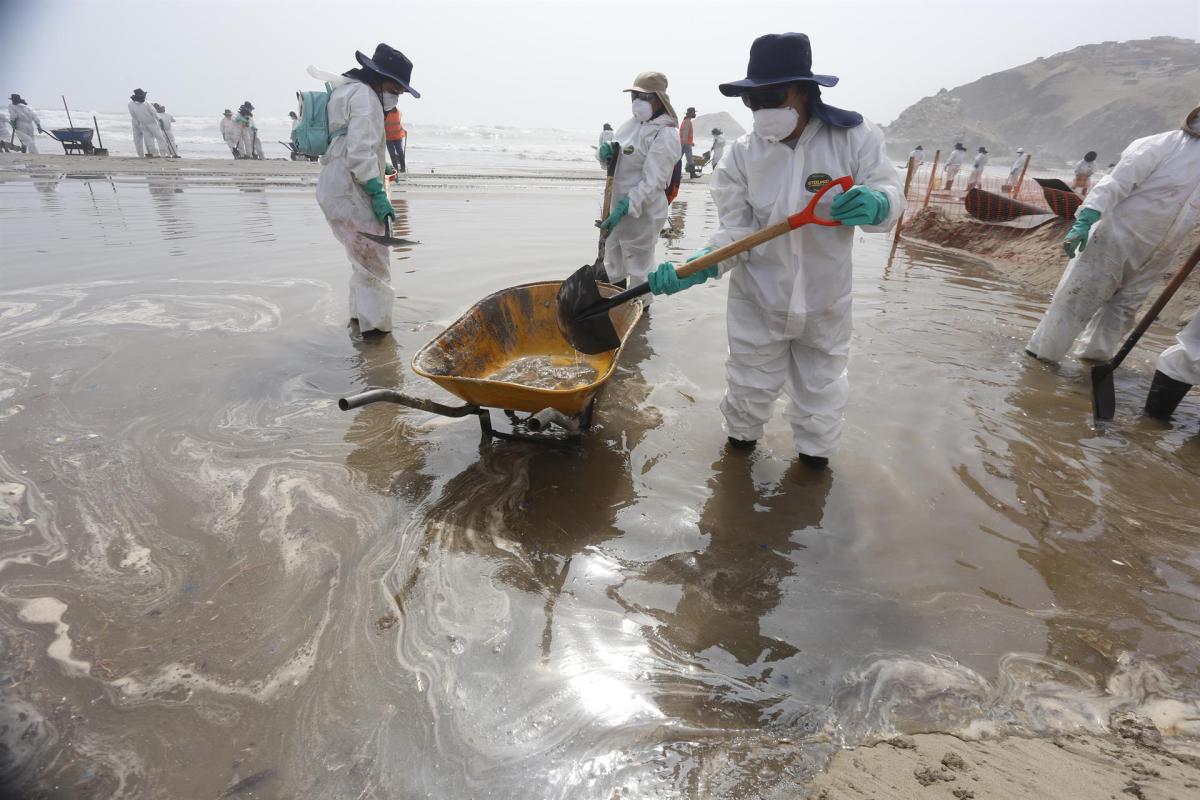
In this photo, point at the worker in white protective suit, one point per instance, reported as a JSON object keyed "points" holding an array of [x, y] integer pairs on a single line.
{"points": [[1177, 371], [976, 176], [165, 120], [1141, 212], [24, 122], [718, 148], [147, 133], [351, 188], [606, 135], [917, 156], [649, 151], [1014, 172], [954, 164], [249, 145], [230, 133], [789, 314]]}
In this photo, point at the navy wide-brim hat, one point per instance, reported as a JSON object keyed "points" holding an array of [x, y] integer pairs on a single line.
{"points": [[390, 63], [777, 59]]}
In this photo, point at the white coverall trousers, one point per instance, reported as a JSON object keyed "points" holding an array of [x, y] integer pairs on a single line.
{"points": [[809, 366], [1181, 361], [27, 139], [348, 211], [1100, 290], [147, 137]]}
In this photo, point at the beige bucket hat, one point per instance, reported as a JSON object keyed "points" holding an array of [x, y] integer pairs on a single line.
{"points": [[655, 82]]}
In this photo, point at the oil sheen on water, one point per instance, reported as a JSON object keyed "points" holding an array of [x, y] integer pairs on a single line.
{"points": [[547, 372]]}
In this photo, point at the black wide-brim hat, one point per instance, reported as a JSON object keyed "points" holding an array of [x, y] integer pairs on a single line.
{"points": [[778, 59], [390, 63], [775, 59]]}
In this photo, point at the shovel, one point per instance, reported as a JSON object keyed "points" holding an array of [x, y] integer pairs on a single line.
{"points": [[1104, 392], [583, 313], [598, 271], [386, 237]]}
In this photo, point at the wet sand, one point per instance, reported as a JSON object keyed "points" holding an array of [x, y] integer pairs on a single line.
{"points": [[216, 583]]}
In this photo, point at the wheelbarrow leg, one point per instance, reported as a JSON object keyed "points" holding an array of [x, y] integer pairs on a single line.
{"points": [[485, 423]]}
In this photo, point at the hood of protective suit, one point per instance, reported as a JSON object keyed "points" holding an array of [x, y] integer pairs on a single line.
{"points": [[1191, 125]]}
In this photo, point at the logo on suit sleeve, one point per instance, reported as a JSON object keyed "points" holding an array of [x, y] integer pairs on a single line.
{"points": [[816, 180], [628, 150]]}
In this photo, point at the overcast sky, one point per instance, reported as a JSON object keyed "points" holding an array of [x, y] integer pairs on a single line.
{"points": [[546, 64]]}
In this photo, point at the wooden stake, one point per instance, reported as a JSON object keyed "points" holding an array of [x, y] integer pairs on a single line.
{"points": [[907, 183], [932, 178]]}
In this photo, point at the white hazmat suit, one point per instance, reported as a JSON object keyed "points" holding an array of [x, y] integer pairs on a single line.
{"points": [[953, 165], [351, 160], [917, 157], [649, 152], [165, 119], [1181, 361], [230, 133], [788, 317], [976, 176], [26, 125], [1014, 171], [1148, 204], [718, 150], [147, 133]]}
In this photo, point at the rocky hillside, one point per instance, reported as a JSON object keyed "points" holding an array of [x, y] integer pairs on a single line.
{"points": [[1095, 97]]}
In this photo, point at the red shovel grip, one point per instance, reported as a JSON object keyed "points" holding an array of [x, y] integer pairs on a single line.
{"points": [[808, 214]]}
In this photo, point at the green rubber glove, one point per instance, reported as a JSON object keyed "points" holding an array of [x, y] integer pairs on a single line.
{"points": [[664, 280], [380, 205], [861, 205], [389, 170], [1077, 237], [605, 151], [618, 213]]}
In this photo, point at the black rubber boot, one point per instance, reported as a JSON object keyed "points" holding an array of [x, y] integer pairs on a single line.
{"points": [[814, 462], [1165, 396], [742, 444]]}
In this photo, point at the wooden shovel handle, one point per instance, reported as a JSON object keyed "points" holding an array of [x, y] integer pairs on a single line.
{"points": [[611, 168], [803, 217], [1158, 306]]}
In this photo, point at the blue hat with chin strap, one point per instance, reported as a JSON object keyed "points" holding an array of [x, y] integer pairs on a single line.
{"points": [[390, 63], [778, 59]]}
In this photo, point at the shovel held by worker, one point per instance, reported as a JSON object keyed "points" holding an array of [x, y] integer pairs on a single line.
{"points": [[598, 271], [1104, 392], [583, 312], [386, 237]]}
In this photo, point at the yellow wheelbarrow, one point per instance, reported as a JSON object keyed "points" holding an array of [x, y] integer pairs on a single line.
{"points": [[474, 360]]}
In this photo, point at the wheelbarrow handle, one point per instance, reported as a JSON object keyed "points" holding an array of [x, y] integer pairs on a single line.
{"points": [[806, 216]]}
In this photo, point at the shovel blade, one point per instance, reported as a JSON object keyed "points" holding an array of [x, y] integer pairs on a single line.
{"points": [[389, 241], [588, 333], [1104, 392]]}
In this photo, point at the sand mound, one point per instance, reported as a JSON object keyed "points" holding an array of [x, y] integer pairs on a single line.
{"points": [[1033, 257]]}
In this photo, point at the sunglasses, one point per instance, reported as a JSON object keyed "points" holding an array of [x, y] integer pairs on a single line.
{"points": [[647, 96], [773, 97]]}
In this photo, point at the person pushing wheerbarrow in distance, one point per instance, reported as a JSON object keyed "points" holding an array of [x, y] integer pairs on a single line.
{"points": [[788, 315]]}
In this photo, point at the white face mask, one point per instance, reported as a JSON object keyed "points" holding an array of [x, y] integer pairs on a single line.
{"points": [[642, 110], [775, 124], [389, 100]]}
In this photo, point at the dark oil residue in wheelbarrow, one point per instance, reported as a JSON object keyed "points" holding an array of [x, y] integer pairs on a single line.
{"points": [[503, 329]]}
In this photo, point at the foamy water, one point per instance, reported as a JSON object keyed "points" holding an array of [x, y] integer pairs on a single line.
{"points": [[448, 148]]}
